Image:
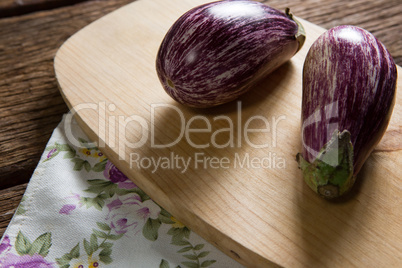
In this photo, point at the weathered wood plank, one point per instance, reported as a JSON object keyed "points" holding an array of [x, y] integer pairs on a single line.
{"points": [[11, 4], [30, 103], [9, 8], [381, 18], [9, 200]]}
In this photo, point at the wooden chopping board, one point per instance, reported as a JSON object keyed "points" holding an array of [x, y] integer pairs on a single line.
{"points": [[228, 173]]}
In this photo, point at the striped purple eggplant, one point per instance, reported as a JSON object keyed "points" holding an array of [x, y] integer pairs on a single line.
{"points": [[349, 88], [215, 52]]}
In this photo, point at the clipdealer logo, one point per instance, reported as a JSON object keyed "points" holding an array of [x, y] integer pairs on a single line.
{"points": [[113, 131]]}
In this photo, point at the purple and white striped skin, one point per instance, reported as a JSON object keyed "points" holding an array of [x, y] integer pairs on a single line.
{"points": [[349, 88], [213, 53]]}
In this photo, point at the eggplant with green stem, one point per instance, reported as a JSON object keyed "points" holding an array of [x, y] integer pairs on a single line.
{"points": [[216, 52]]}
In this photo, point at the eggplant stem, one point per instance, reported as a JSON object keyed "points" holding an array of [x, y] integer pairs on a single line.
{"points": [[301, 33], [331, 173]]}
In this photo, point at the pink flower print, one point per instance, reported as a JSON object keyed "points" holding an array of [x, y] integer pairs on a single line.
{"points": [[67, 209], [114, 204], [25, 261], [121, 222], [75, 197], [118, 204], [5, 247], [125, 214], [51, 152], [126, 185], [121, 216], [148, 209], [5, 244], [113, 174], [144, 210]]}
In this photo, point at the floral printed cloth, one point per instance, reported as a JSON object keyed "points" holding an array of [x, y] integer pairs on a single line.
{"points": [[80, 211]]}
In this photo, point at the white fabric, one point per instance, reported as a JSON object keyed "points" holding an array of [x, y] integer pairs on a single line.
{"points": [[79, 210]]}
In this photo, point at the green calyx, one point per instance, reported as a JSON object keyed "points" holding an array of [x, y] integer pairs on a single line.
{"points": [[301, 33], [331, 173]]}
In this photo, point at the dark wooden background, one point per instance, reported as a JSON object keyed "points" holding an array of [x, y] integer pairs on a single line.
{"points": [[31, 31]]}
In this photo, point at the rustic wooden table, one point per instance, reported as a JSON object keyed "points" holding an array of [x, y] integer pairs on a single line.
{"points": [[31, 31]]}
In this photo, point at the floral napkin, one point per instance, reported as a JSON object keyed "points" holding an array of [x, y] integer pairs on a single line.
{"points": [[80, 211]]}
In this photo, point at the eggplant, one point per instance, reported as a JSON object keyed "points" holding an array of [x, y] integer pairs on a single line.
{"points": [[215, 52], [349, 89]]}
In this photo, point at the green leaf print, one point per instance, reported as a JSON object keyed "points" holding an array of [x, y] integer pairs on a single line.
{"points": [[102, 187], [190, 264], [106, 245], [103, 226], [150, 230], [180, 237], [114, 237], [97, 202], [104, 255], [22, 244], [202, 254], [94, 243], [41, 245], [199, 247], [190, 256], [70, 151], [51, 147], [105, 252], [164, 264], [179, 241], [99, 167], [79, 163], [64, 261], [106, 259], [69, 155], [87, 166], [92, 246], [207, 263], [100, 234], [21, 210], [87, 247], [185, 249], [121, 191], [65, 147], [75, 252], [165, 219], [53, 151], [21, 207]]}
